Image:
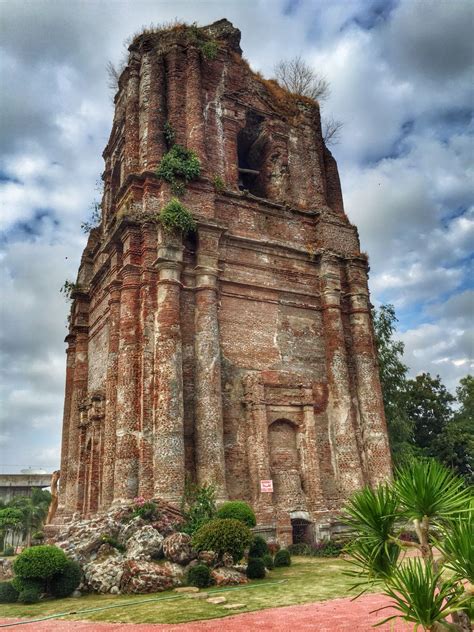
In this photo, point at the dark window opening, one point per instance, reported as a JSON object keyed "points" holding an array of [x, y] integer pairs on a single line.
{"points": [[251, 144]]}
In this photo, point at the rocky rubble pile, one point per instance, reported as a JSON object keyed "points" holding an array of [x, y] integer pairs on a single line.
{"points": [[120, 552]]}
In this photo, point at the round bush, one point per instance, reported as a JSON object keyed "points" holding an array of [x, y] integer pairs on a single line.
{"points": [[268, 561], [255, 568], [8, 593], [29, 595], [199, 576], [238, 510], [223, 536], [40, 562], [259, 547], [65, 583], [282, 558]]}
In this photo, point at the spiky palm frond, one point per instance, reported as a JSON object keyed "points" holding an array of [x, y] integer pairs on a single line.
{"points": [[426, 488], [421, 596], [456, 543], [371, 515]]}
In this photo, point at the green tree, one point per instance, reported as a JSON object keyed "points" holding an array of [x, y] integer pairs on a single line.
{"points": [[34, 510], [454, 446], [393, 378], [429, 406], [11, 522]]}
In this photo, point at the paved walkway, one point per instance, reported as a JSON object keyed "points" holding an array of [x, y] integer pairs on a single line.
{"points": [[336, 615]]}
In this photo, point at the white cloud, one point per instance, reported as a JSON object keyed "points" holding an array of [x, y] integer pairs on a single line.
{"points": [[400, 83]]}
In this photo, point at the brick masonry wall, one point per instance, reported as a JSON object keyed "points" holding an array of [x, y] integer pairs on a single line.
{"points": [[241, 353]]}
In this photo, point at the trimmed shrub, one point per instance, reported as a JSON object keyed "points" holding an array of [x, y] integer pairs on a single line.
{"points": [[299, 549], [255, 568], [321, 549], [65, 583], [238, 510], [8, 593], [199, 576], [282, 558], [223, 536], [40, 562], [9, 551], [268, 561], [258, 547], [29, 595], [20, 584]]}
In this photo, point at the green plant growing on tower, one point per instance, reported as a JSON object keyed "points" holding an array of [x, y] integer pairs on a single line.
{"points": [[175, 217], [178, 167]]}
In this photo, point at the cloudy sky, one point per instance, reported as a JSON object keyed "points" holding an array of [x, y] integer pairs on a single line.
{"points": [[401, 77]]}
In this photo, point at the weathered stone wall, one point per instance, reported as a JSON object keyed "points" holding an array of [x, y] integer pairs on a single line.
{"points": [[244, 352]]}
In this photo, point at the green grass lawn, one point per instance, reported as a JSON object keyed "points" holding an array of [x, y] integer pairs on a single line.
{"points": [[306, 580]]}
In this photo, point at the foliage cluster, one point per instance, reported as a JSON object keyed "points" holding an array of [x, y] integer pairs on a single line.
{"points": [[94, 219], [239, 510], [198, 506], [169, 134], [65, 583], [145, 509], [434, 501], [174, 216], [67, 288], [209, 47], [29, 596], [218, 183], [421, 415], [268, 561], [282, 558], [40, 562], [258, 547], [178, 167], [22, 516], [199, 576], [327, 548], [43, 569], [8, 593], [223, 536], [255, 568], [109, 539]]}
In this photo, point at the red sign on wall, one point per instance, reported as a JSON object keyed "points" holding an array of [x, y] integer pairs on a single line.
{"points": [[266, 486]]}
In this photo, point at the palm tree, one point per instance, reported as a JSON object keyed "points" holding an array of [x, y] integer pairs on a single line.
{"points": [[435, 502]]}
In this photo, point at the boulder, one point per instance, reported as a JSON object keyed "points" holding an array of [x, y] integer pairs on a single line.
{"points": [[147, 577], [208, 557], [102, 574], [127, 529], [145, 544], [177, 548], [227, 560], [223, 576]]}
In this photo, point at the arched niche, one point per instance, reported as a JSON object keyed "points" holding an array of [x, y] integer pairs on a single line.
{"points": [[285, 466]]}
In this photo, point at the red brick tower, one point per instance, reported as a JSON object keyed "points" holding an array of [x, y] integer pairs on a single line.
{"points": [[240, 353]]}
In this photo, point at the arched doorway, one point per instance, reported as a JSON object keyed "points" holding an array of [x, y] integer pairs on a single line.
{"points": [[301, 529]]}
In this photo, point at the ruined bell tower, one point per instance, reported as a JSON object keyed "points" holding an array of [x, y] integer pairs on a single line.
{"points": [[242, 353]]}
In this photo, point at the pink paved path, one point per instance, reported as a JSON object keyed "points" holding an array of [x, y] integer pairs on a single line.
{"points": [[336, 615]]}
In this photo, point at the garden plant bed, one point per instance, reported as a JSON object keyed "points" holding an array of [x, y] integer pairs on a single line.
{"points": [[307, 580]]}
